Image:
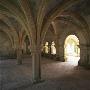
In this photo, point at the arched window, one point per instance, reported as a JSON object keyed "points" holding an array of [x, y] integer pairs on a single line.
{"points": [[53, 48], [71, 49]]}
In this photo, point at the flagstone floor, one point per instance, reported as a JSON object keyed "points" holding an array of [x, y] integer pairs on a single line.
{"points": [[56, 75]]}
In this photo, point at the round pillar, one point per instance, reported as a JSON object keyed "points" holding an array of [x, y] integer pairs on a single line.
{"points": [[36, 65], [19, 56], [61, 53]]}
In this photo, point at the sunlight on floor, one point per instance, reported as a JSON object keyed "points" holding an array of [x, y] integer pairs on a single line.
{"points": [[73, 60]]}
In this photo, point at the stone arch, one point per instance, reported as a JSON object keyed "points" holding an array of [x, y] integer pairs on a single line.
{"points": [[53, 13], [52, 32], [50, 37], [78, 33], [13, 13], [79, 19], [71, 48], [82, 43]]}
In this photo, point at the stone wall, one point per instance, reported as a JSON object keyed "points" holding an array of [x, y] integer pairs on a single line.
{"points": [[6, 50]]}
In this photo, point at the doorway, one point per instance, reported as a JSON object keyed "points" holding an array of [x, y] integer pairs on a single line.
{"points": [[71, 49]]}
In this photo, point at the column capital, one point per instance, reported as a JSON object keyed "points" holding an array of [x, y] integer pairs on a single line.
{"points": [[36, 50]]}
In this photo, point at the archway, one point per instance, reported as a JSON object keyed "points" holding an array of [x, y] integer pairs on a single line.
{"points": [[71, 49], [53, 48], [45, 48]]}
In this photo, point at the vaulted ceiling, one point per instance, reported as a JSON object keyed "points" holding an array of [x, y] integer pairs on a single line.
{"points": [[33, 17]]}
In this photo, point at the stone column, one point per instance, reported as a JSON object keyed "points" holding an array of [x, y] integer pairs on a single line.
{"points": [[36, 65], [19, 56], [57, 49], [84, 56], [49, 48], [61, 53]]}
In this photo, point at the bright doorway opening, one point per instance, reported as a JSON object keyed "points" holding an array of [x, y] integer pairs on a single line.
{"points": [[71, 49]]}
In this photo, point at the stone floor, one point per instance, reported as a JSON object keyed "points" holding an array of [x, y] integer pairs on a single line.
{"points": [[56, 75]]}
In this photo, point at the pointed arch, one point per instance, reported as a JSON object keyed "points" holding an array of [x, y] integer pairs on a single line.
{"points": [[13, 11], [52, 15], [79, 19]]}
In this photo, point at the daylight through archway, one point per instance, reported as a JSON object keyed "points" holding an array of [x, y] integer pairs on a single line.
{"points": [[71, 49]]}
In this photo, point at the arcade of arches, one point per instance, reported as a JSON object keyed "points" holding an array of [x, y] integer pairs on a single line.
{"points": [[45, 28]]}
